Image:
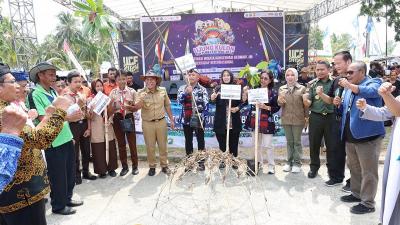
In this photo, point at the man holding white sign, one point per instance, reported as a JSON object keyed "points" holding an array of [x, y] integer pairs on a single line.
{"points": [[192, 114], [227, 90]]}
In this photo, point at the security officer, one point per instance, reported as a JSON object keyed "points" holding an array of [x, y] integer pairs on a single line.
{"points": [[154, 102], [322, 117]]}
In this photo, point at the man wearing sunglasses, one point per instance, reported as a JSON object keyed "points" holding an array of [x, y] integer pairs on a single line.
{"points": [[363, 138]]}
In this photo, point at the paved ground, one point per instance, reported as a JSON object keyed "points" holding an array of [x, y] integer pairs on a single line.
{"points": [[292, 199]]}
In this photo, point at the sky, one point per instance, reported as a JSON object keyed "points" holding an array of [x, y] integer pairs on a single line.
{"points": [[338, 23]]}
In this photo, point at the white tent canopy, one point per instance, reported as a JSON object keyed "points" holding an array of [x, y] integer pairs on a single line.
{"points": [[133, 9]]}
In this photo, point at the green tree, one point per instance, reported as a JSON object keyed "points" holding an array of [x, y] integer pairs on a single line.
{"points": [[341, 42], [67, 29], [315, 38], [391, 45], [7, 50], [384, 8]]}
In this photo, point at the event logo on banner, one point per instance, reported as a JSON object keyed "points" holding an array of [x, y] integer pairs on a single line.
{"points": [[130, 54], [217, 41]]}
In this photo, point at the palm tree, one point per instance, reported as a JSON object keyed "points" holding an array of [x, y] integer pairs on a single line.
{"points": [[7, 50], [67, 29], [96, 22]]}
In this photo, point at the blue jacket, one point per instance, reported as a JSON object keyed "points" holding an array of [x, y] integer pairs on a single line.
{"points": [[362, 128]]}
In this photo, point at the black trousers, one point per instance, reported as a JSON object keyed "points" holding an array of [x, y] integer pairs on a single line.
{"points": [[34, 214], [61, 172], [233, 142], [188, 131], [327, 127], [82, 145]]}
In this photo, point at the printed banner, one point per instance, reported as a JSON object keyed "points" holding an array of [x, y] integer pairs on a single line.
{"points": [[217, 41], [176, 138], [130, 54]]}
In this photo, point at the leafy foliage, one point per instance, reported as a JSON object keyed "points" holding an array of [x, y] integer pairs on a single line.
{"points": [[316, 36], [341, 42], [252, 73], [384, 8]]}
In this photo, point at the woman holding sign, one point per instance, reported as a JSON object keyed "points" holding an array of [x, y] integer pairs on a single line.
{"points": [[98, 142], [221, 114], [266, 120]]}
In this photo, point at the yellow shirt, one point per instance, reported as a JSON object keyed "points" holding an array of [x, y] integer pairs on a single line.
{"points": [[154, 103]]}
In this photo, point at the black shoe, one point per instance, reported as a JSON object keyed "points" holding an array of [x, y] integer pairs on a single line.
{"points": [[112, 173], [152, 172], [235, 167], [166, 170], [312, 174], [89, 176], [361, 209], [135, 171], [74, 203], [201, 167], [124, 171], [65, 211], [331, 183], [349, 198], [78, 180], [346, 188], [102, 176], [222, 165]]}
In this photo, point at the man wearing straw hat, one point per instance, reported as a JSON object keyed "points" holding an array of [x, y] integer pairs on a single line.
{"points": [[154, 102], [60, 156], [192, 113]]}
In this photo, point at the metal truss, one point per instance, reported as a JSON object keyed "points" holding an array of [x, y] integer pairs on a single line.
{"points": [[23, 25], [328, 7]]}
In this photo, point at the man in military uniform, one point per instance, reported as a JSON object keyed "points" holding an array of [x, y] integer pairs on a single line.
{"points": [[322, 117], [154, 102]]}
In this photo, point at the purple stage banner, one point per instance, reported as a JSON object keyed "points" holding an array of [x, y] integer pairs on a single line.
{"points": [[217, 41]]}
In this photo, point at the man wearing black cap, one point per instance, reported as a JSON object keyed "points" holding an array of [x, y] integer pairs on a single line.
{"points": [[22, 201], [60, 156]]}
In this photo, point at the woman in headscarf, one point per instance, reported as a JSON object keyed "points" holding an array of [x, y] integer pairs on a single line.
{"points": [[293, 118], [221, 115]]}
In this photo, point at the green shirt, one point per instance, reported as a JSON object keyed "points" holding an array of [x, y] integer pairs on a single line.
{"points": [[42, 99], [317, 104]]}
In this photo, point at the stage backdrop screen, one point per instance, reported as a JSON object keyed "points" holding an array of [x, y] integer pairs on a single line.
{"points": [[217, 41]]}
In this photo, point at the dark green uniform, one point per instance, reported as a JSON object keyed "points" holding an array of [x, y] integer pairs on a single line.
{"points": [[322, 117]]}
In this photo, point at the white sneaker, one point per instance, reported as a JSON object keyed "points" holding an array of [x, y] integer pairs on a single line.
{"points": [[296, 169], [287, 168], [271, 169]]}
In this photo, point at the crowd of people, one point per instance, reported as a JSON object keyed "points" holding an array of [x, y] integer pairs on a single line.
{"points": [[59, 133]]}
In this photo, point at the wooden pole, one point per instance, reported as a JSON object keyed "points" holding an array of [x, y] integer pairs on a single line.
{"points": [[228, 126], [256, 140], [106, 133]]}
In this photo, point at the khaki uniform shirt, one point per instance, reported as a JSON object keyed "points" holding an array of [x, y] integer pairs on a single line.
{"points": [[121, 98], [293, 111], [154, 103], [79, 99]]}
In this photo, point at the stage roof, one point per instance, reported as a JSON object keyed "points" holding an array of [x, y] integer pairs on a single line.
{"points": [[132, 9]]}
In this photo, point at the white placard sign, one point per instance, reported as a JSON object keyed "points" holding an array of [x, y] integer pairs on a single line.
{"points": [[258, 95], [100, 102], [231, 91], [185, 63]]}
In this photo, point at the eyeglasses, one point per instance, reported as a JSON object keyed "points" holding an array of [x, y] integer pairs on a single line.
{"points": [[350, 72]]}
